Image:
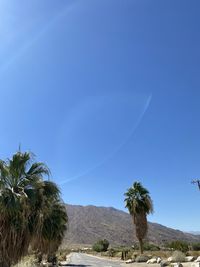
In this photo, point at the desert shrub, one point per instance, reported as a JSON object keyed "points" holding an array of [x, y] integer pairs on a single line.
{"points": [[151, 247], [129, 255], [118, 254], [196, 246], [179, 245], [105, 253], [101, 245], [135, 254], [142, 258], [178, 256], [28, 261], [62, 253], [111, 252], [98, 247]]}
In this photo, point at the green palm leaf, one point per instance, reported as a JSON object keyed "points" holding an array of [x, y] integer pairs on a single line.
{"points": [[31, 209]]}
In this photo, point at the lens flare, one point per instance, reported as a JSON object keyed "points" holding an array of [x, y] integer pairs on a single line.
{"points": [[96, 130]]}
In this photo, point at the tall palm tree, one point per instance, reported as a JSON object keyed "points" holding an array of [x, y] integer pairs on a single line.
{"points": [[139, 205], [25, 202]]}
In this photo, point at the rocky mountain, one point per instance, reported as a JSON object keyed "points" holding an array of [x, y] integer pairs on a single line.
{"points": [[194, 232], [87, 224]]}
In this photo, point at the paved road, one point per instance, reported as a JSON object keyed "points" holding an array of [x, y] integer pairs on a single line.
{"points": [[83, 260]]}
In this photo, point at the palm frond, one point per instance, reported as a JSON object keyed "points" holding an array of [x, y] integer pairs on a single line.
{"points": [[30, 207]]}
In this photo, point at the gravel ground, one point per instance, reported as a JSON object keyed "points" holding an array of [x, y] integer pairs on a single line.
{"points": [[135, 264]]}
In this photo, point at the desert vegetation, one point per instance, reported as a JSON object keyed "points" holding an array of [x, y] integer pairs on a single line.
{"points": [[152, 254], [33, 216], [34, 219], [178, 245], [101, 245], [175, 251]]}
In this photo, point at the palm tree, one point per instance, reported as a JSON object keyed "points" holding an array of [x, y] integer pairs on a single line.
{"points": [[196, 182], [53, 222], [25, 203], [139, 205]]}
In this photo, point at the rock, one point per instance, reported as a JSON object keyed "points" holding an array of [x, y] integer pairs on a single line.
{"points": [[198, 259], [164, 263], [177, 264], [129, 261], [189, 258], [170, 259], [142, 258], [159, 260], [195, 264], [151, 261]]}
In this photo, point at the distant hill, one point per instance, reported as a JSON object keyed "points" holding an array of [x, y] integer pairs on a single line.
{"points": [[89, 223], [194, 232]]}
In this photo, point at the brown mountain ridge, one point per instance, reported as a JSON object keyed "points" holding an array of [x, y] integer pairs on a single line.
{"points": [[87, 224]]}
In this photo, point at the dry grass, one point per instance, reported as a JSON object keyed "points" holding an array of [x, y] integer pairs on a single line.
{"points": [[28, 261], [62, 253], [193, 253]]}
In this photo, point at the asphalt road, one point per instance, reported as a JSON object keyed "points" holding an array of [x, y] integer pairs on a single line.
{"points": [[84, 260]]}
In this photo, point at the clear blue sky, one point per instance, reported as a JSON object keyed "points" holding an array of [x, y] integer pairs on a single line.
{"points": [[106, 93]]}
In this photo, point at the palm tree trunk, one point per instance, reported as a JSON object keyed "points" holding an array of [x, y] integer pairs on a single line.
{"points": [[141, 246], [4, 264]]}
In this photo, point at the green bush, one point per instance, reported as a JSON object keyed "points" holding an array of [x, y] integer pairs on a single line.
{"points": [[196, 246], [151, 247], [179, 245], [101, 245]]}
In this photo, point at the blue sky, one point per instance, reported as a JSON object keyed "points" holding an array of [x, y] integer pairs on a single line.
{"points": [[106, 93]]}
